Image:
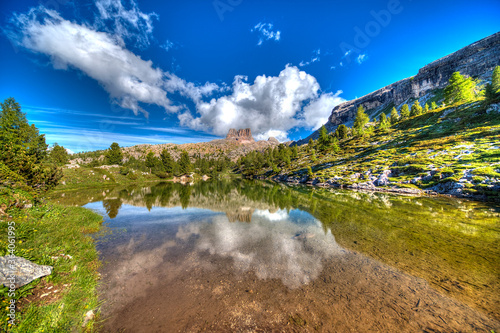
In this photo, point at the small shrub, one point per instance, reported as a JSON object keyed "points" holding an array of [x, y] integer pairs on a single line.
{"points": [[161, 174], [124, 171], [132, 176]]}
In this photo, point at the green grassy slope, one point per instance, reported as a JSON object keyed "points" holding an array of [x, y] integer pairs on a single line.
{"points": [[435, 151], [58, 236]]}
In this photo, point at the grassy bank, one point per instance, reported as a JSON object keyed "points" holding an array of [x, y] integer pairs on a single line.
{"points": [[81, 177], [50, 234]]}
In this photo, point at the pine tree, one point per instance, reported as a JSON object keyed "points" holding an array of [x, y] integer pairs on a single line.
{"points": [[114, 154], [313, 155], [324, 139], [23, 149], [309, 172], [382, 121], [361, 120], [167, 161], [495, 80], [405, 112], [426, 109], [341, 132], [489, 93], [151, 161], [58, 155], [416, 109], [295, 152], [434, 106], [185, 163], [394, 116], [459, 89], [335, 145]]}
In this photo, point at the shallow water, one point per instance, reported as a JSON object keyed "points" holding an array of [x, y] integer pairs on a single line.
{"points": [[255, 256]]}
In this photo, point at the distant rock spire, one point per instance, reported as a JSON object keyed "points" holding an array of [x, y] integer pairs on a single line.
{"points": [[241, 135]]}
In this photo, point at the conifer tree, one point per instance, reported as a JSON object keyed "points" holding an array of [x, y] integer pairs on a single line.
{"points": [[416, 109], [434, 106], [341, 132], [151, 161], [167, 161], [426, 109], [324, 139], [23, 149], [58, 155], [311, 142], [295, 152], [185, 163], [309, 171], [382, 121], [495, 79], [405, 112], [459, 89], [361, 120], [114, 154], [394, 116], [489, 93], [335, 145]]}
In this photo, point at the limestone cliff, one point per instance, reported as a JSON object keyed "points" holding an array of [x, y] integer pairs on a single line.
{"points": [[476, 60], [242, 136]]}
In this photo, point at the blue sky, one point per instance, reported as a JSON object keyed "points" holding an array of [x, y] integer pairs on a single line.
{"points": [[91, 73]]}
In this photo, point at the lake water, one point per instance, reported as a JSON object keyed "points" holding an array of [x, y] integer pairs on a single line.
{"points": [[254, 256]]}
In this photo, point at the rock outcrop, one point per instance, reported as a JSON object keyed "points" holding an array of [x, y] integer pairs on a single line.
{"points": [[19, 271], [476, 60], [242, 135]]}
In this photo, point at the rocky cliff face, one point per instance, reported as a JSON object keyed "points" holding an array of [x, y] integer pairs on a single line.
{"points": [[477, 60], [241, 136]]}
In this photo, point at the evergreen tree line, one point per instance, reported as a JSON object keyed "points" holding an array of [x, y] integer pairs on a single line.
{"points": [[460, 89], [25, 158], [166, 165], [275, 158]]}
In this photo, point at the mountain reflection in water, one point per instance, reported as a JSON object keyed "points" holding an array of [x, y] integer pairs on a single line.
{"points": [[176, 235]]}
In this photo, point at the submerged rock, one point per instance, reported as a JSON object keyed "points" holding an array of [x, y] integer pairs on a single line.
{"points": [[19, 271]]}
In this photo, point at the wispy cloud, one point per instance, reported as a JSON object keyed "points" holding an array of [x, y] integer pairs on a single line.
{"points": [[314, 58], [77, 139], [119, 122], [361, 58], [168, 45], [266, 32], [32, 110], [126, 21]]}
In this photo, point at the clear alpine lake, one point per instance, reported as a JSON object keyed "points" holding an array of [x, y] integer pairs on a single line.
{"points": [[260, 256]]}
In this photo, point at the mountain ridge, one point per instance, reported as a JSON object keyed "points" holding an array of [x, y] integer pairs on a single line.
{"points": [[477, 60]]}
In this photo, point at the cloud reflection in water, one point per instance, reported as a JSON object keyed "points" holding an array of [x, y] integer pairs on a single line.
{"points": [[274, 245]]}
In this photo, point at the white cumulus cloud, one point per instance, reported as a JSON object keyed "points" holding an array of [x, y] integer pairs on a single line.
{"points": [[316, 113], [270, 106], [102, 56]]}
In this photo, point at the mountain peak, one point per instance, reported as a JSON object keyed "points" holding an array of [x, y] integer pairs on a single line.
{"points": [[241, 135]]}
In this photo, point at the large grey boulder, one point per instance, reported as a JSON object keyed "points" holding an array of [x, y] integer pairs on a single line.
{"points": [[383, 179], [19, 271]]}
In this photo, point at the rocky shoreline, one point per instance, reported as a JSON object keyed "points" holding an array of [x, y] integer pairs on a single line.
{"points": [[381, 183]]}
